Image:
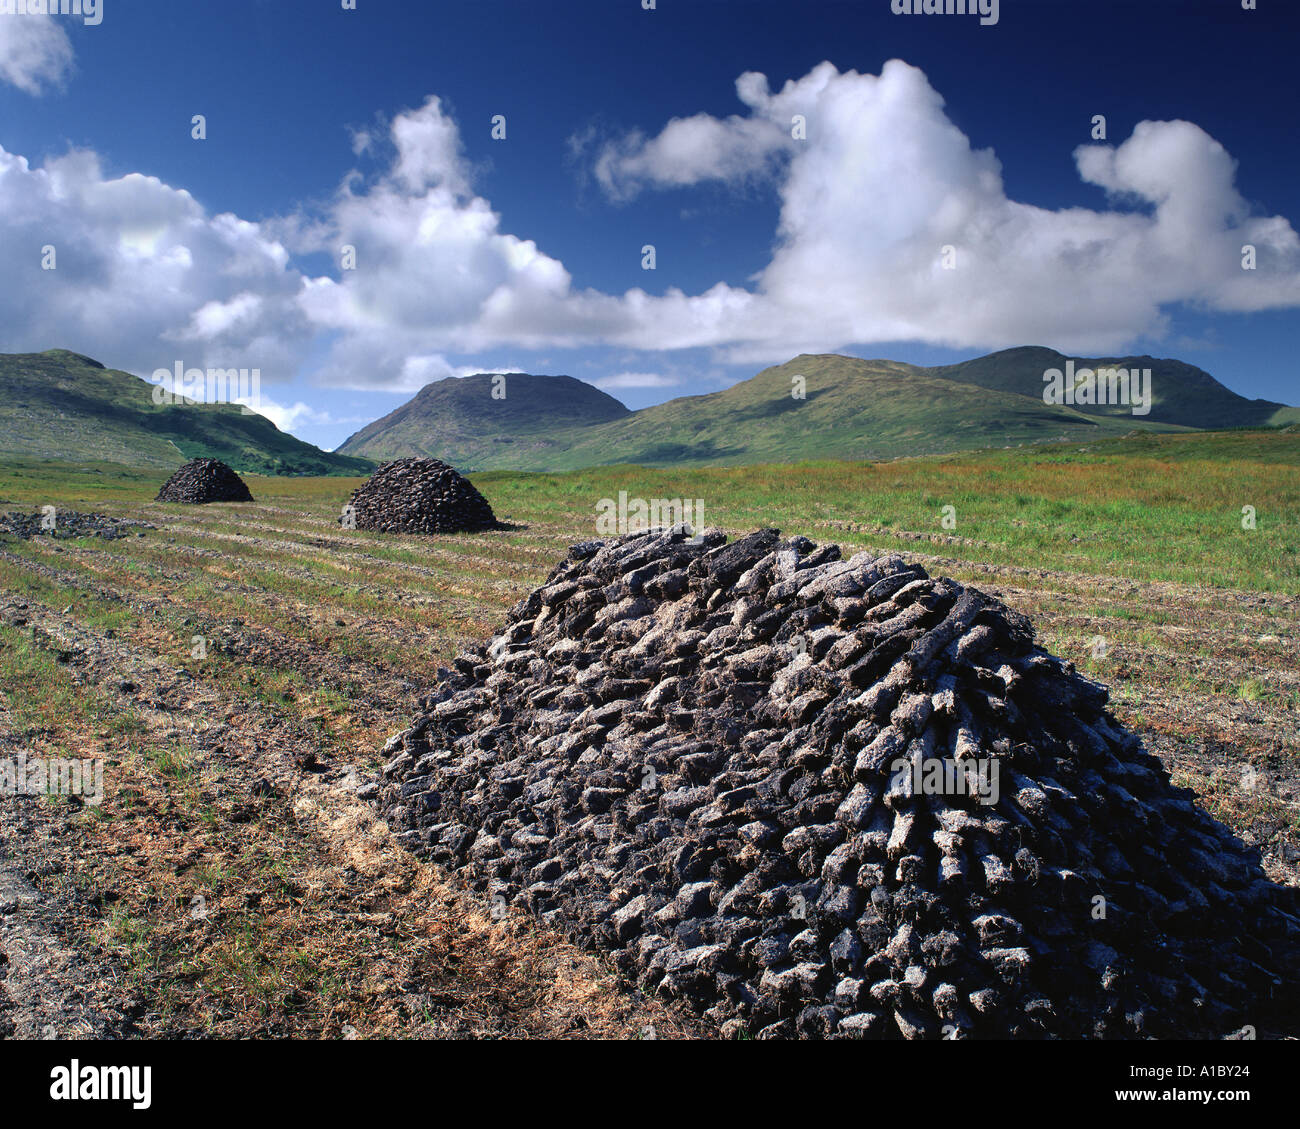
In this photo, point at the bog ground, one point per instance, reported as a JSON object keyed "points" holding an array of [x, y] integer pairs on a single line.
{"points": [[240, 667]]}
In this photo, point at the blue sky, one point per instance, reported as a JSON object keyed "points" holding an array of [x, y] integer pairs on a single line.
{"points": [[627, 127]]}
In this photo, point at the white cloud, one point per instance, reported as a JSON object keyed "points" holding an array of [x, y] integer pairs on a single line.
{"points": [[421, 370], [435, 273], [637, 380], [361, 141], [290, 416], [691, 150], [883, 182], [34, 52], [217, 318], [143, 275], [429, 150]]}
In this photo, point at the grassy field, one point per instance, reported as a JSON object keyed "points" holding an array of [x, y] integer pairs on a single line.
{"points": [[240, 667]]}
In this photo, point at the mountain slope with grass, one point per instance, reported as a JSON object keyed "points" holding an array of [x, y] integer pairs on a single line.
{"points": [[515, 419], [842, 408], [851, 409], [1181, 394], [61, 405]]}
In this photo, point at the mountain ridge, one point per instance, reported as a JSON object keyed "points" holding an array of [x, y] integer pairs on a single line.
{"points": [[460, 417], [851, 408], [60, 404]]}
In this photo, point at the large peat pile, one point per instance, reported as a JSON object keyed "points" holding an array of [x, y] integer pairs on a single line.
{"points": [[420, 496], [204, 480], [688, 755]]}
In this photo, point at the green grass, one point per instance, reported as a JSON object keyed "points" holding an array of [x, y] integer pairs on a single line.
{"points": [[1252, 690], [1092, 516], [1167, 507], [40, 696], [1169, 511]]}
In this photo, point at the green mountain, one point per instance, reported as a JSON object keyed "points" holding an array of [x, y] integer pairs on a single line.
{"points": [[1181, 394], [516, 420], [61, 405], [850, 409]]}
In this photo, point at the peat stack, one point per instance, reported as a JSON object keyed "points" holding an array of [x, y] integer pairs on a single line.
{"points": [[834, 798], [419, 496], [204, 480], [68, 523]]}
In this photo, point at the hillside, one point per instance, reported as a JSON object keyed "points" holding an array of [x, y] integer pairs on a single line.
{"points": [[61, 405], [852, 409], [459, 421], [1181, 394]]}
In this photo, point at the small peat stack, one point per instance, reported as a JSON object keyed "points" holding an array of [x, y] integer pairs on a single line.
{"points": [[204, 480], [67, 523], [419, 496], [834, 798]]}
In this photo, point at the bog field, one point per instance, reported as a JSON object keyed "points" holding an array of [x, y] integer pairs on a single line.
{"points": [[239, 667]]}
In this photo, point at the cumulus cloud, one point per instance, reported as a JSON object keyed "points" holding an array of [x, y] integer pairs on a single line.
{"points": [[1191, 180], [883, 193], [287, 416], [142, 275], [361, 141], [885, 182], [34, 52], [291, 417], [434, 271], [429, 151], [699, 148], [418, 371]]}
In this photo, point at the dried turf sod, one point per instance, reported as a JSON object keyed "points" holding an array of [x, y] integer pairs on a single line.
{"points": [[420, 496], [733, 767], [204, 480]]}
